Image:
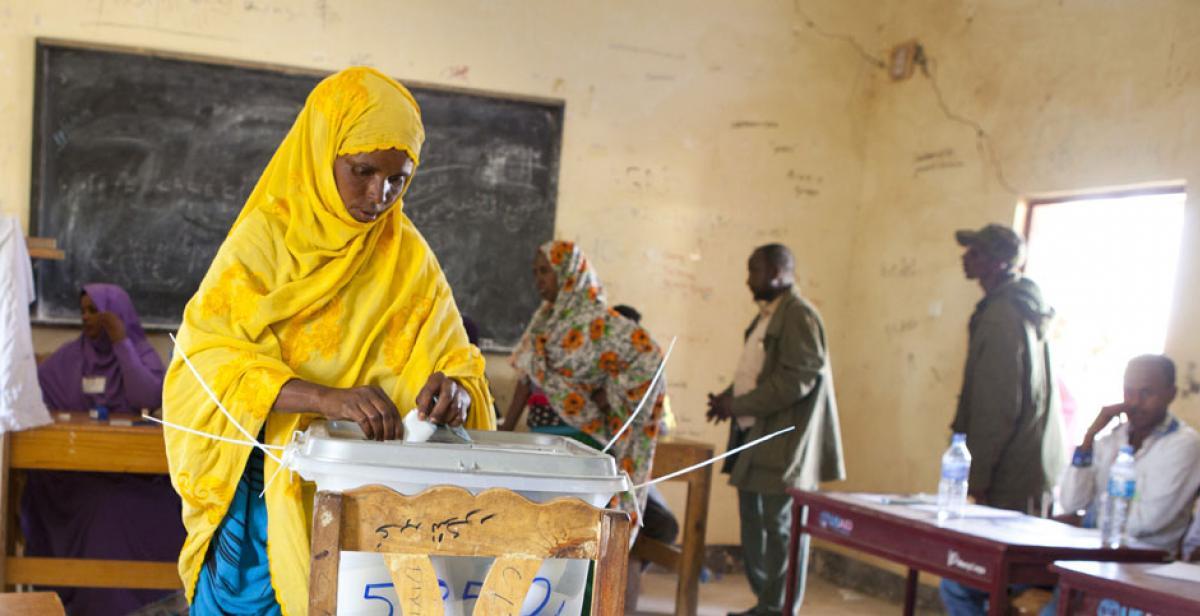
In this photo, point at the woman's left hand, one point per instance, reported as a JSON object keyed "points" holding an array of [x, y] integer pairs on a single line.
{"points": [[443, 401], [601, 399]]}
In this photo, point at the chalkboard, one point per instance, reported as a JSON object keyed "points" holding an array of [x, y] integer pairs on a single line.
{"points": [[143, 161]]}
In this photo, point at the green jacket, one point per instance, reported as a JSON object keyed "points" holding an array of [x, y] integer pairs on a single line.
{"points": [[1008, 407], [794, 388]]}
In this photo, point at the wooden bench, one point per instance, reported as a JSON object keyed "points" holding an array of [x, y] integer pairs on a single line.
{"points": [[79, 443]]}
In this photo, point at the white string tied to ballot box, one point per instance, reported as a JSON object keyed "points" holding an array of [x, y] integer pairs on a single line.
{"points": [[641, 404], [715, 459], [213, 396], [646, 396], [288, 450]]}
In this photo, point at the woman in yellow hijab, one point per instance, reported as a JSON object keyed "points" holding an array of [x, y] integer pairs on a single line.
{"points": [[324, 300]]}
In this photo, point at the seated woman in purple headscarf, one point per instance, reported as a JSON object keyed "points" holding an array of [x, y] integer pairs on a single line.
{"points": [[111, 364], [103, 515]]}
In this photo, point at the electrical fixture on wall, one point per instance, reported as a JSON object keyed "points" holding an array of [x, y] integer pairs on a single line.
{"points": [[902, 59]]}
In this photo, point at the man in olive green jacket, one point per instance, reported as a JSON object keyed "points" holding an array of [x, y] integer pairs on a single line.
{"points": [[1008, 407], [783, 379]]}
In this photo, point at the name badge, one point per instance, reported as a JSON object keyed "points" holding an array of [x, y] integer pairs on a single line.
{"points": [[94, 384]]}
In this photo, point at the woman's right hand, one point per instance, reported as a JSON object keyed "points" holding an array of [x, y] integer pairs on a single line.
{"points": [[516, 406], [368, 406]]}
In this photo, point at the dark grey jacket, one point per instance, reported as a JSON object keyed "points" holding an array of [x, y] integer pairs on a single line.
{"points": [[794, 388], [1008, 407]]}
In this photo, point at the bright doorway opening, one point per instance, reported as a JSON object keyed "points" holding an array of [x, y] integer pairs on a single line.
{"points": [[1106, 263]]}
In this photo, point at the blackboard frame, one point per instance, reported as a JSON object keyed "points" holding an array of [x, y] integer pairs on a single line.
{"points": [[40, 136]]}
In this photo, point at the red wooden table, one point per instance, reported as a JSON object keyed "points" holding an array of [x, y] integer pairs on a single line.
{"points": [[989, 552], [1122, 588]]}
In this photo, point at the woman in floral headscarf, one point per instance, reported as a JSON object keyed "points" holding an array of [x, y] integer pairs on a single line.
{"points": [[592, 365]]}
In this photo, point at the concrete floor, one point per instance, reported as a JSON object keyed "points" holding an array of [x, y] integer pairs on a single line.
{"points": [[730, 593]]}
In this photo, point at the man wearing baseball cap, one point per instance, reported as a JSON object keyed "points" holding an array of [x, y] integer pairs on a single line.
{"points": [[1008, 406]]}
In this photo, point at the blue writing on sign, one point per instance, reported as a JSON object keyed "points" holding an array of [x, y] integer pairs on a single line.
{"points": [[371, 588], [545, 597], [1112, 607], [470, 593], [835, 523]]}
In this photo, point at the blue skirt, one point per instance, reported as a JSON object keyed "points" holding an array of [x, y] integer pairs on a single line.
{"points": [[236, 576]]}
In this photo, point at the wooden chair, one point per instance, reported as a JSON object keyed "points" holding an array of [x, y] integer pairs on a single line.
{"points": [[30, 604], [449, 521]]}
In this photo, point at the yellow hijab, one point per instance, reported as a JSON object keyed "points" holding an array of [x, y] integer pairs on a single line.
{"points": [[299, 289]]}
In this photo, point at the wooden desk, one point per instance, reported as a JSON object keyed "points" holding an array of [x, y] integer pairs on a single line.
{"points": [[30, 604], [988, 553], [79, 443], [672, 455], [1116, 588]]}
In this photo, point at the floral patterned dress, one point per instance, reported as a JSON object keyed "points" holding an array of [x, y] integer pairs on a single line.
{"points": [[577, 346]]}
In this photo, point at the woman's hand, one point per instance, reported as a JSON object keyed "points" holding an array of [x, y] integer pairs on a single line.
{"points": [[601, 399], [368, 406], [443, 401], [516, 406], [112, 326]]}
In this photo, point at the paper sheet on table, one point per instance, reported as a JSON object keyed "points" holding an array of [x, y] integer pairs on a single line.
{"points": [[974, 512], [895, 499], [1177, 570]]}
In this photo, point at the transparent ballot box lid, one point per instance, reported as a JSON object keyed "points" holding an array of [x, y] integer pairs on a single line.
{"points": [[336, 456]]}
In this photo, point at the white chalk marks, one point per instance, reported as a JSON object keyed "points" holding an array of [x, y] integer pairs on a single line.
{"points": [[512, 165]]}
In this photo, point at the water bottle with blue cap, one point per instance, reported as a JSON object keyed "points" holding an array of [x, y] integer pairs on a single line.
{"points": [[1122, 485]]}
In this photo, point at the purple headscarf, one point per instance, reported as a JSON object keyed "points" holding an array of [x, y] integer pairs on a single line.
{"points": [[132, 369]]}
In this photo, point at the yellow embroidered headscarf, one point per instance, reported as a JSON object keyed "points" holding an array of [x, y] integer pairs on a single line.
{"points": [[299, 289]]}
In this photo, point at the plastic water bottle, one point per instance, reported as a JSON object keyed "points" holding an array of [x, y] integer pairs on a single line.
{"points": [[952, 489], [1122, 483]]}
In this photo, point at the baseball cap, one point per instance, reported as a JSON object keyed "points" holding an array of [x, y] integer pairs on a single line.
{"points": [[997, 241]]}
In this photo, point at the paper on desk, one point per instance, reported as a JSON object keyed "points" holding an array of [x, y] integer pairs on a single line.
{"points": [[974, 512], [1177, 570], [894, 499]]}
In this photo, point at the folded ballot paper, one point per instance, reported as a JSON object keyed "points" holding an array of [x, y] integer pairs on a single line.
{"points": [[417, 430]]}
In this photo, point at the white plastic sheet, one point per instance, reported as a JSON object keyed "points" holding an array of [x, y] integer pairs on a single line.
{"points": [[21, 405]]}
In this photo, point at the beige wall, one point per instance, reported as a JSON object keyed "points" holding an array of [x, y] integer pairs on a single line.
{"points": [[697, 130], [694, 131], [1074, 95]]}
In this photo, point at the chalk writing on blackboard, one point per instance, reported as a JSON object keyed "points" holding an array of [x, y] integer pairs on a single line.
{"points": [[142, 162]]}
